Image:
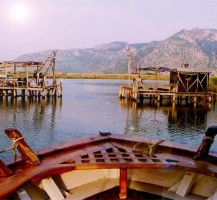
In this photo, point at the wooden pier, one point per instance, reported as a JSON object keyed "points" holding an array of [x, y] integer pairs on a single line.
{"points": [[29, 79], [185, 86], [162, 97]]}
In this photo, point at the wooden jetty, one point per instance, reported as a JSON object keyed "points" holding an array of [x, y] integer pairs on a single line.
{"points": [[186, 85], [21, 79]]}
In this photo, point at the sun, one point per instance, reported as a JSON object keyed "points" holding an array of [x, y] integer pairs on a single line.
{"points": [[20, 11]]}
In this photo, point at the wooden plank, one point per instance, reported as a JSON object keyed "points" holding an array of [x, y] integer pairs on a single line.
{"points": [[35, 192], [186, 184], [78, 178], [161, 191], [205, 186], [51, 188], [92, 188]]}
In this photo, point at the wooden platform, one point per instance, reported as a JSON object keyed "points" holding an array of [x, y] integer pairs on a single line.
{"points": [[159, 97], [29, 78], [22, 91]]}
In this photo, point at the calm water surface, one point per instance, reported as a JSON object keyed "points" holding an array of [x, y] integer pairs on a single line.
{"points": [[89, 106]]}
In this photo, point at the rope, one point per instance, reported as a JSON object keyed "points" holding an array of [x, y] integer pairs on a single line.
{"points": [[13, 146], [150, 150]]}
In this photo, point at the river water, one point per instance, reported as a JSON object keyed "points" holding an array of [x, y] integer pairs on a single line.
{"points": [[90, 106]]}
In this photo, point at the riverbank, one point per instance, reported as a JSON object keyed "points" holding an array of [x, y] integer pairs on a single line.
{"points": [[107, 76], [212, 80]]}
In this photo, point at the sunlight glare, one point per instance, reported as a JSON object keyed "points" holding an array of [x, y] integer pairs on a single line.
{"points": [[20, 12]]}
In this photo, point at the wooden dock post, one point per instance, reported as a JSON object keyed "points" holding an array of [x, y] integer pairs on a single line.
{"points": [[135, 95], [158, 98], [60, 88], [23, 92], [14, 92], [121, 92], [195, 101], [43, 93], [48, 92]]}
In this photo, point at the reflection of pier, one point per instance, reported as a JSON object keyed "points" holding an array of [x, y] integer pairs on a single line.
{"points": [[29, 79], [186, 85], [141, 119], [188, 116], [37, 116]]}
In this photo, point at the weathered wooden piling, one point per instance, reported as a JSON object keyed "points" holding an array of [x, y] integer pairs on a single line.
{"points": [[31, 82], [186, 85]]}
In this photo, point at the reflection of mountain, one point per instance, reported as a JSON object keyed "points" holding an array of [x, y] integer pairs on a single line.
{"points": [[187, 115]]}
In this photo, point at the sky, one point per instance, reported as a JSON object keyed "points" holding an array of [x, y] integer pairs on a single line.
{"points": [[28, 26]]}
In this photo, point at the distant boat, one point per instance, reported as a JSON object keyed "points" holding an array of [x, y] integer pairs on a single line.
{"points": [[111, 166]]}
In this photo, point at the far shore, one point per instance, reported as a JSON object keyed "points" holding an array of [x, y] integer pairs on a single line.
{"points": [[212, 80], [107, 76]]}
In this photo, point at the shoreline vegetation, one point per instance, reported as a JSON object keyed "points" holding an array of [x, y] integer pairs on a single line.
{"points": [[148, 76], [212, 80], [106, 76]]}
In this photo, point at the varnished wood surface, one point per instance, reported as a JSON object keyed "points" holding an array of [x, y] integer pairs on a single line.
{"points": [[27, 153], [101, 152]]}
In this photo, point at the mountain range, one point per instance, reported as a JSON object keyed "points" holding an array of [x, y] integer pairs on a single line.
{"points": [[198, 47]]}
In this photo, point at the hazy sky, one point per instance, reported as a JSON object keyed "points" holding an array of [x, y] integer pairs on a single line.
{"points": [[28, 26]]}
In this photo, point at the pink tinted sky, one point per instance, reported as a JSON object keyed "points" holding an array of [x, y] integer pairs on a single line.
{"points": [[28, 26]]}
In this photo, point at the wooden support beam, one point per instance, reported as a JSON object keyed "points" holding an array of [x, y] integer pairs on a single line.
{"points": [[123, 183], [14, 92], [24, 149], [4, 170], [186, 184], [51, 188], [35, 192], [54, 91]]}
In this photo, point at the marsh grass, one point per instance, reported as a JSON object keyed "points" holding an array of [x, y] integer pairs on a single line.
{"points": [[106, 76], [213, 84], [212, 80]]}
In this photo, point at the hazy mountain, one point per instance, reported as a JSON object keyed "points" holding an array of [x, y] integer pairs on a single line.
{"points": [[198, 47]]}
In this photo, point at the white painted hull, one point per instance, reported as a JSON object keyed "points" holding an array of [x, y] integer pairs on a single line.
{"points": [[80, 184]]}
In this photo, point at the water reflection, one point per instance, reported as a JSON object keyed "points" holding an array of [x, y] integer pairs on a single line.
{"points": [[89, 106], [185, 125], [34, 118], [188, 115]]}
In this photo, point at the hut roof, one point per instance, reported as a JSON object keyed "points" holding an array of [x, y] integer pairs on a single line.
{"points": [[182, 69], [7, 64]]}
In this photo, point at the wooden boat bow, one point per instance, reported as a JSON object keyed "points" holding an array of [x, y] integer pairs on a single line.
{"points": [[103, 151]]}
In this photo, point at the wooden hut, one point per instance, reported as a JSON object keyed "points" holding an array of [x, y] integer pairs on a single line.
{"points": [[189, 80], [189, 84]]}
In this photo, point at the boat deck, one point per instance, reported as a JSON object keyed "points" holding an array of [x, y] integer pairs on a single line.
{"points": [[113, 194], [113, 161]]}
